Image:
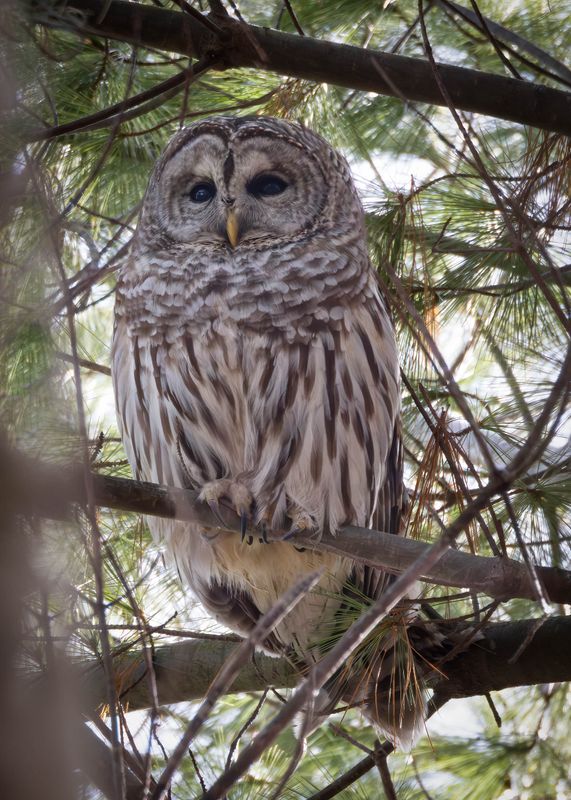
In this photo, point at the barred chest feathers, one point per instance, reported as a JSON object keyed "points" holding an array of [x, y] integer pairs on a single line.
{"points": [[306, 420]]}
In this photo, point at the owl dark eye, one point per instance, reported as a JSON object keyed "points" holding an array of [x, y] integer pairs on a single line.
{"points": [[267, 186], [202, 192]]}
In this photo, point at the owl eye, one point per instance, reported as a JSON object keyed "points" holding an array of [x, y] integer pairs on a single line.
{"points": [[267, 185], [202, 192]]}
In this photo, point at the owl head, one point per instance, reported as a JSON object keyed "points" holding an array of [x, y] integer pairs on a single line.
{"points": [[247, 182]]}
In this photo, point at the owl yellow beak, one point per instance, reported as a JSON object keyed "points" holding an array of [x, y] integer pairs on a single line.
{"points": [[232, 228]]}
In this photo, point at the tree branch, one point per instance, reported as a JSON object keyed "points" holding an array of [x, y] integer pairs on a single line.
{"points": [[184, 670], [497, 577], [242, 45]]}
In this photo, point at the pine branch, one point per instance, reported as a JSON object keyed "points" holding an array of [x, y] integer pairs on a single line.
{"points": [[55, 491], [500, 578], [241, 45]]}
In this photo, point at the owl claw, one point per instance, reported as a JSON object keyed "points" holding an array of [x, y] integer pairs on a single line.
{"points": [[233, 491], [263, 539], [263, 532], [301, 522], [214, 506], [243, 527], [291, 533]]}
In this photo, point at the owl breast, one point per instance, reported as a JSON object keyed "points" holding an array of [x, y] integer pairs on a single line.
{"points": [[292, 394]]}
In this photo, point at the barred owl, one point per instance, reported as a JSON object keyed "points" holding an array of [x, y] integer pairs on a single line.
{"points": [[254, 360]]}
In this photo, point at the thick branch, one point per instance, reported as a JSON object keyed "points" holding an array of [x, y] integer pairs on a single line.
{"points": [[487, 665], [500, 578], [241, 45], [184, 670]]}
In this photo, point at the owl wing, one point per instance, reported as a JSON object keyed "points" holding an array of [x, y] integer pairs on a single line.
{"points": [[389, 513], [233, 608], [390, 501]]}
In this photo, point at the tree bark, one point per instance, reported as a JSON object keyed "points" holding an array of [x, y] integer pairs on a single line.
{"points": [[184, 670], [55, 491], [230, 43]]}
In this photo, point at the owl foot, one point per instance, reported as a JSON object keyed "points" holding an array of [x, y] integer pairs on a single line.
{"points": [[263, 538], [237, 494], [300, 521]]}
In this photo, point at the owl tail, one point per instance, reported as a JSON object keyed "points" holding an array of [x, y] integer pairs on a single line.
{"points": [[389, 683], [393, 706], [394, 699], [388, 677]]}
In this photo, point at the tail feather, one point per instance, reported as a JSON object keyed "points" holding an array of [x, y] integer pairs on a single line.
{"points": [[388, 678]]}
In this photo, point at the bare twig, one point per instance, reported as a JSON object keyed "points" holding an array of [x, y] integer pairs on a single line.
{"points": [[243, 729], [494, 42], [127, 109], [293, 17], [557, 69], [388, 785], [89, 365]]}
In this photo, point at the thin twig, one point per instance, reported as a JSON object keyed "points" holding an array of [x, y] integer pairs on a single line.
{"points": [[83, 362], [388, 785], [243, 729], [293, 17], [229, 672]]}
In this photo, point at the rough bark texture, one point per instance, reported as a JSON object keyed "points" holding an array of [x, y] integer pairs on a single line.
{"points": [[184, 670], [487, 665]]}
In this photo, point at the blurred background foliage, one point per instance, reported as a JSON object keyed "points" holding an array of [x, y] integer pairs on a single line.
{"points": [[435, 227]]}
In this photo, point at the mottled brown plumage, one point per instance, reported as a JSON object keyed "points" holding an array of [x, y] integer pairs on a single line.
{"points": [[266, 372]]}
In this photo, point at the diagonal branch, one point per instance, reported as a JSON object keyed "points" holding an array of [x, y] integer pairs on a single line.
{"points": [[498, 577], [242, 45], [506, 35], [133, 106], [228, 673]]}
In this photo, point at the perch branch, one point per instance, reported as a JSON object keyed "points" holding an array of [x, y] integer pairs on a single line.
{"points": [[497, 577]]}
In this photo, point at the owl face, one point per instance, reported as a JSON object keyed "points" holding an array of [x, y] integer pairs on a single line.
{"points": [[242, 182]]}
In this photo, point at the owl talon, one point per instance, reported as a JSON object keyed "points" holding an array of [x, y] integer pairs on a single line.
{"points": [[243, 526], [291, 533], [236, 493], [214, 506], [301, 522], [264, 531]]}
